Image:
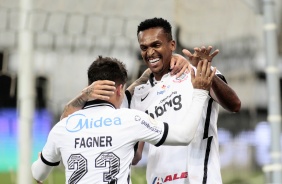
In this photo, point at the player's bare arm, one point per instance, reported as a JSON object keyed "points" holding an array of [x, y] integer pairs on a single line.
{"points": [[220, 91], [141, 80], [97, 90]]}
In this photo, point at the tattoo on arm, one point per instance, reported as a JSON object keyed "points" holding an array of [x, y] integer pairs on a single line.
{"points": [[75, 105]]}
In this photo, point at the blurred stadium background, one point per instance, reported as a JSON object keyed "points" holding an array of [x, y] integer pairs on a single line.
{"points": [[57, 40]]}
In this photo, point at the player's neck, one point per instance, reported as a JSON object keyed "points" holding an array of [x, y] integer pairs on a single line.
{"points": [[159, 76]]}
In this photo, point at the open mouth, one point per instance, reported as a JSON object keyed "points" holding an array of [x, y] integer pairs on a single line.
{"points": [[154, 60]]}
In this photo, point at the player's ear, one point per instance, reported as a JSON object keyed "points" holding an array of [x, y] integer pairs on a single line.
{"points": [[172, 45], [119, 89]]}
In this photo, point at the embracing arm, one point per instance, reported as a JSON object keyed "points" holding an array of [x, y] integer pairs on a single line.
{"points": [[97, 90], [141, 80]]}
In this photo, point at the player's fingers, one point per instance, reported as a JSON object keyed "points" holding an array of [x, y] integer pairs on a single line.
{"points": [[208, 51], [103, 82], [214, 53], [183, 69], [176, 68], [212, 74], [187, 53], [209, 71], [196, 50], [106, 87], [172, 62], [103, 85], [204, 68], [199, 68], [193, 75], [103, 92], [101, 97], [203, 49]]}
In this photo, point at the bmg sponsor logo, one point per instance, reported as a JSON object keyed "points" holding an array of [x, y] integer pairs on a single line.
{"points": [[167, 103]]}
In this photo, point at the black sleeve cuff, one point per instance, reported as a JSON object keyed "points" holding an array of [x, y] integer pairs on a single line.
{"points": [[164, 135], [222, 77], [47, 162]]}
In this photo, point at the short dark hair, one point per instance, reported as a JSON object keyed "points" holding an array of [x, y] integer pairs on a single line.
{"points": [[154, 23], [107, 68]]}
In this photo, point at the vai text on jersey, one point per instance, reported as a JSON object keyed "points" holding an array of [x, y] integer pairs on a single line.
{"points": [[77, 122]]}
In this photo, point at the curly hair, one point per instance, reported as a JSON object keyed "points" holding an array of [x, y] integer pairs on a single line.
{"points": [[154, 23]]}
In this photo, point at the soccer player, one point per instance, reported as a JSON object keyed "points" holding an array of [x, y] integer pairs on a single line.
{"points": [[96, 143], [164, 97]]}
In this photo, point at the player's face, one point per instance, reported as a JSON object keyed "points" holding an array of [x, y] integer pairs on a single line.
{"points": [[156, 50]]}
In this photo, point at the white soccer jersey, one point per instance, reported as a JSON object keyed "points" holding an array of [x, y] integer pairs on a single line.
{"points": [[197, 163], [96, 143]]}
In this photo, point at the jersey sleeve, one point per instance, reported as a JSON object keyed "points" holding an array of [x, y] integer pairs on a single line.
{"points": [[149, 130], [220, 75], [50, 154]]}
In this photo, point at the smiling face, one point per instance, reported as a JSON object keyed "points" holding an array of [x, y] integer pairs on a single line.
{"points": [[156, 50]]}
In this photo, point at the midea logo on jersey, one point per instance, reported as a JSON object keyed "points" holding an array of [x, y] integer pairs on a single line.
{"points": [[77, 122], [168, 102]]}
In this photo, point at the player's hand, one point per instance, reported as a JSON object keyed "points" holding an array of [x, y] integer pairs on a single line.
{"points": [[204, 76], [101, 90], [200, 54], [179, 65]]}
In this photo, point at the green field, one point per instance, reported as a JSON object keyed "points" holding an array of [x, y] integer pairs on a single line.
{"points": [[231, 176]]}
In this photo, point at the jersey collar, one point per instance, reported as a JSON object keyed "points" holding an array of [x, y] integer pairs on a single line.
{"points": [[98, 103], [153, 81]]}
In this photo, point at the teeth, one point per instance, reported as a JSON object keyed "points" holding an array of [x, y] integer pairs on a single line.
{"points": [[154, 60]]}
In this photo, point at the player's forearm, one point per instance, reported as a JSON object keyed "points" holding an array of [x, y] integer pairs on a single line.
{"points": [[39, 170], [183, 135], [75, 104], [141, 80], [138, 155], [225, 95]]}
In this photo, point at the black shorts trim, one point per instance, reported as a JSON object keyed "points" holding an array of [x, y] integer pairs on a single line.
{"points": [[164, 135], [47, 162]]}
